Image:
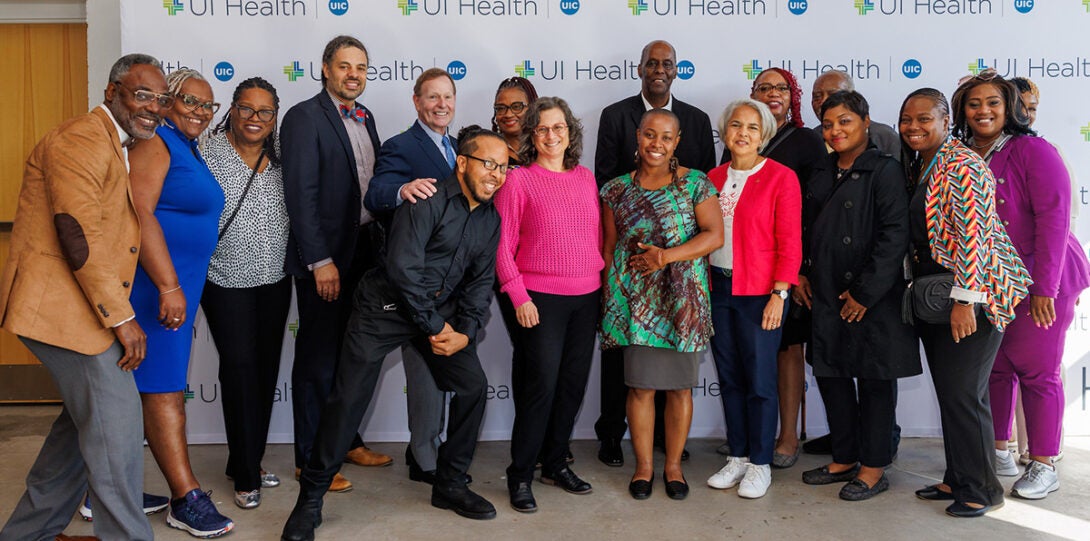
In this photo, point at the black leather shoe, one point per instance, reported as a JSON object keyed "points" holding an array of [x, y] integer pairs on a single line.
{"points": [[609, 452], [640, 489], [567, 480], [961, 510], [522, 498], [822, 476], [933, 493], [424, 476], [856, 490], [304, 519], [818, 446], [463, 501], [676, 490]]}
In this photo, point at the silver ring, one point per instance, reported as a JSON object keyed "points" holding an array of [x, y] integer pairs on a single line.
{"points": [[177, 319]]}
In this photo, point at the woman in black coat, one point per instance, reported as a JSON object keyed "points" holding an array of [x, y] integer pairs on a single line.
{"points": [[856, 208]]}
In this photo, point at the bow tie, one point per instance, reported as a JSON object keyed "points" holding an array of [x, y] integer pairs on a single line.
{"points": [[355, 113]]}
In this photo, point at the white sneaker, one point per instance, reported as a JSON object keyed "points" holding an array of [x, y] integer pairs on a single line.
{"points": [[1037, 482], [731, 474], [1005, 464], [756, 481]]}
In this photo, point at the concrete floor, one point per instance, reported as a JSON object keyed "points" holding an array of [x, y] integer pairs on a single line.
{"points": [[386, 505]]}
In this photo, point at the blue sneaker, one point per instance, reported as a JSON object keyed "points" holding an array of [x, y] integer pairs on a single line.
{"points": [[196, 514], [152, 504]]}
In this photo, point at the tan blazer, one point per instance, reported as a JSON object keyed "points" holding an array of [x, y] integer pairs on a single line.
{"points": [[74, 245]]}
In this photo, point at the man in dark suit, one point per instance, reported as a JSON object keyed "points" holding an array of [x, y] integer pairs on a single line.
{"points": [[65, 293], [615, 156], [409, 166], [329, 144]]}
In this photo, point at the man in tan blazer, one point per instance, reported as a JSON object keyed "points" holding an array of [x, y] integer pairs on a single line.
{"points": [[65, 293]]}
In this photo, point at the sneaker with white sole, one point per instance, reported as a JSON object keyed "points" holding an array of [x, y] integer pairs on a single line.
{"points": [[1005, 464], [196, 514], [248, 500], [730, 474], [756, 481], [152, 504], [1037, 482]]}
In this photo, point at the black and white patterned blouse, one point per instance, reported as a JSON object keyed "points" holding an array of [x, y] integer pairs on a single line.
{"points": [[252, 251]]}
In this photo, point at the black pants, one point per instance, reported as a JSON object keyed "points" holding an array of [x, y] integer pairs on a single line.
{"points": [[556, 360], [860, 419], [374, 330], [960, 373], [318, 341], [247, 325]]}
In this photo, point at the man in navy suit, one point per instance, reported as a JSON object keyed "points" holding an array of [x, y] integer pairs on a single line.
{"points": [[409, 166], [329, 143]]}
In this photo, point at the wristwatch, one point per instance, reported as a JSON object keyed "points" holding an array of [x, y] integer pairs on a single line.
{"points": [[963, 303], [781, 293]]}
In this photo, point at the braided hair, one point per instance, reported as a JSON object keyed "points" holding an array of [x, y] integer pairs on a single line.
{"points": [[910, 158], [225, 124], [794, 113], [520, 83]]}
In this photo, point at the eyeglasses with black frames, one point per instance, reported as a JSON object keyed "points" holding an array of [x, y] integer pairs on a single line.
{"points": [[517, 108], [264, 115], [489, 164], [765, 88]]}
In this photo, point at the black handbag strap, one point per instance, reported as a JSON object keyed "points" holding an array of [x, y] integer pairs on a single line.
{"points": [[245, 191]]}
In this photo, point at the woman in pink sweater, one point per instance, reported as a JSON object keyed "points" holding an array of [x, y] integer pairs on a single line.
{"points": [[549, 265]]}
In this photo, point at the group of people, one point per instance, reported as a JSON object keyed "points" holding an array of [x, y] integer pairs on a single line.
{"points": [[845, 246]]}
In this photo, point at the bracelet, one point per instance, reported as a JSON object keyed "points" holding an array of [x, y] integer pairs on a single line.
{"points": [[161, 293], [963, 303]]}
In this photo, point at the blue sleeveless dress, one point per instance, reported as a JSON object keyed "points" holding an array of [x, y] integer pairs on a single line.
{"points": [[188, 211]]}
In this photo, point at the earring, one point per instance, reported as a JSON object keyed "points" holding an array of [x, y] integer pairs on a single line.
{"points": [[673, 164]]}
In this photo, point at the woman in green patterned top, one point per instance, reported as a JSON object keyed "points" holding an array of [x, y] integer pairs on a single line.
{"points": [[660, 222]]}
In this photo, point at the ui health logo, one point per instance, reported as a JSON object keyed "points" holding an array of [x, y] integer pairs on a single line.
{"points": [[863, 7], [637, 6], [525, 69], [1085, 130], [707, 8], [933, 7], [173, 6], [482, 8], [977, 66], [294, 71], [752, 69], [407, 7]]}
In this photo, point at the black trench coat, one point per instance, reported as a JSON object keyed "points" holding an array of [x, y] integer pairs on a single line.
{"points": [[855, 237]]}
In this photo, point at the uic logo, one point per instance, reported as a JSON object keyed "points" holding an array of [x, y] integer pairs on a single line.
{"points": [[797, 7], [1085, 131], [224, 71], [407, 6], [457, 70], [637, 6], [294, 71], [752, 69], [525, 69], [569, 7], [911, 68], [685, 70], [338, 7], [978, 66], [1024, 6], [864, 7], [173, 7]]}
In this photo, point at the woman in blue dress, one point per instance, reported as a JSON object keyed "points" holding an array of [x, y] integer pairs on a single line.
{"points": [[179, 204]]}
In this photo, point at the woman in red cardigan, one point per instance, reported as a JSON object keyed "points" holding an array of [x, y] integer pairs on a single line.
{"points": [[761, 203]]}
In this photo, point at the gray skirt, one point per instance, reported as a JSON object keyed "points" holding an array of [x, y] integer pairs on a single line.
{"points": [[661, 369]]}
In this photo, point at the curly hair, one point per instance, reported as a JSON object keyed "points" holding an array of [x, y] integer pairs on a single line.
{"points": [[527, 150], [1016, 119], [225, 123], [794, 113], [520, 83]]}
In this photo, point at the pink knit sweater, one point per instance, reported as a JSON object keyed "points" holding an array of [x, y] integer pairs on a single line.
{"points": [[551, 233]]}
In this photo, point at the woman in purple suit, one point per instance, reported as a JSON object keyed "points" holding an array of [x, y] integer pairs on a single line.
{"points": [[1033, 197]]}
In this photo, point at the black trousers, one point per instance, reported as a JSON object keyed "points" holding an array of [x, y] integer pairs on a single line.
{"points": [[374, 330], [861, 418], [552, 381], [318, 341], [247, 326], [960, 373]]}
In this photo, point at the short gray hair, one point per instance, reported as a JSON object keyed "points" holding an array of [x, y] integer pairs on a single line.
{"points": [[178, 77], [844, 76], [768, 122], [125, 63]]}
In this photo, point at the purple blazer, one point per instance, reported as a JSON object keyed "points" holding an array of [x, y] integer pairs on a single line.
{"points": [[1033, 197]]}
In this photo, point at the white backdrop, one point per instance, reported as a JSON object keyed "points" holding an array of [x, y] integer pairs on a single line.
{"points": [[586, 52]]}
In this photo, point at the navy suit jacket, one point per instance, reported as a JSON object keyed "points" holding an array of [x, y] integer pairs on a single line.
{"points": [[321, 184], [616, 150], [406, 156]]}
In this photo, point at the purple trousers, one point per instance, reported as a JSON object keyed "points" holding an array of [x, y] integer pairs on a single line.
{"points": [[1029, 357]]}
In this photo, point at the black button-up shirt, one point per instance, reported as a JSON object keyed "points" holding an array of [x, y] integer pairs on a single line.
{"points": [[438, 251]]}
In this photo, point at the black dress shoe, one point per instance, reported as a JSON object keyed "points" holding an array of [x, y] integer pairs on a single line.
{"points": [[567, 480], [822, 476], [933, 493], [463, 501], [522, 498], [856, 490], [640, 489], [609, 452], [961, 510], [305, 517], [676, 490], [818, 446]]}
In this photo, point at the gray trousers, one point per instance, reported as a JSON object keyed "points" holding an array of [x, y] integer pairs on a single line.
{"points": [[426, 406], [96, 442]]}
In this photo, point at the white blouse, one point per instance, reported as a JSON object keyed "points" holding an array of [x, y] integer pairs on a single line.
{"points": [[728, 200]]}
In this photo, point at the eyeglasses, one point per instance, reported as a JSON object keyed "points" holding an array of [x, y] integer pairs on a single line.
{"points": [[193, 103], [542, 131], [489, 164], [516, 108], [147, 96], [246, 113], [765, 88]]}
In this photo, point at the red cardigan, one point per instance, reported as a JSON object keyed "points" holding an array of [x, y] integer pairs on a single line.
{"points": [[767, 236]]}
